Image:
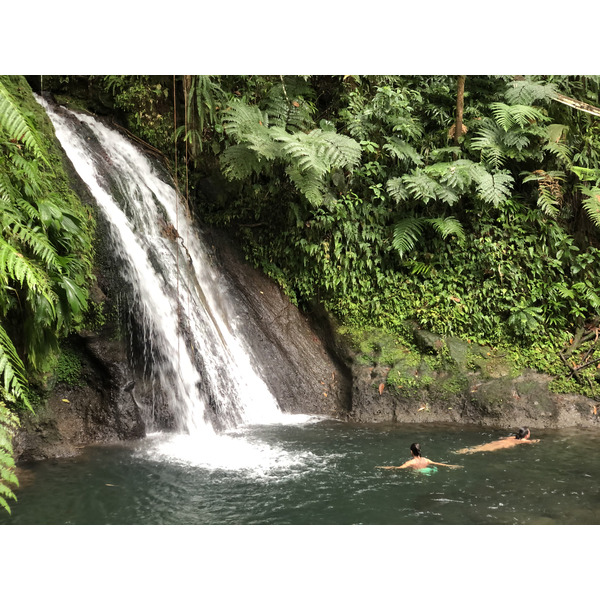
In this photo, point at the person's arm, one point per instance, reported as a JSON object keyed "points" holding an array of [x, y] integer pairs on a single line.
{"points": [[408, 463], [446, 465]]}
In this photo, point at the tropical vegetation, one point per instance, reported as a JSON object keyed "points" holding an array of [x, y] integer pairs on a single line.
{"points": [[45, 260], [467, 205]]}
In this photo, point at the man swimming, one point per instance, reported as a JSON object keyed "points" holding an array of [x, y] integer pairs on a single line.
{"points": [[419, 462], [522, 437]]}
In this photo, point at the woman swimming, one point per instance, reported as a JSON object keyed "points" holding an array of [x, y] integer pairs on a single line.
{"points": [[522, 437], [419, 462]]}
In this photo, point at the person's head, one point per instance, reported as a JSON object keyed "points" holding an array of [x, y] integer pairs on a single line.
{"points": [[523, 434], [415, 449]]}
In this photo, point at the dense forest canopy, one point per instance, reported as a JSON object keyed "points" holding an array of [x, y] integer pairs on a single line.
{"points": [[467, 205]]}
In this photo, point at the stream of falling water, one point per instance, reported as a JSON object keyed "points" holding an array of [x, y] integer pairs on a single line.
{"points": [[195, 353]]}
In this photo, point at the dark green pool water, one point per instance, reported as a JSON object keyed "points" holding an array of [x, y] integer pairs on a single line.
{"points": [[319, 473]]}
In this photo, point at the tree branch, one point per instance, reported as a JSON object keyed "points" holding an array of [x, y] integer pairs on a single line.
{"points": [[578, 105]]}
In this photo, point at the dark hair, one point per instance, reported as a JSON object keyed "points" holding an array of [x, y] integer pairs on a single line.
{"points": [[522, 433], [416, 449]]}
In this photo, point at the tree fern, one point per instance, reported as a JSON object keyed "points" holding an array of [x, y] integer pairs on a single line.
{"points": [[520, 115], [241, 162], [525, 91], [308, 157], [287, 107]]}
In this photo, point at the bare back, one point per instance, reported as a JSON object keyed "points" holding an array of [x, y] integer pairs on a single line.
{"points": [[496, 445]]}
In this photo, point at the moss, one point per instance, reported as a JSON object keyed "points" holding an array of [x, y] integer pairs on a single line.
{"points": [[69, 368], [452, 385]]}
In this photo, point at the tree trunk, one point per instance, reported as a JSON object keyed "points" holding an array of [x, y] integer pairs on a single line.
{"points": [[460, 103]]}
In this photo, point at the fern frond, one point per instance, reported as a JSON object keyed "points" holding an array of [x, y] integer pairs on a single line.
{"points": [[560, 150], [402, 150], [591, 203], [17, 266], [586, 290], [493, 188], [17, 126], [425, 188], [488, 141], [549, 190], [12, 369], [29, 174], [286, 109], [246, 123], [547, 203], [564, 291], [456, 174], [239, 162], [308, 183], [301, 151], [406, 234], [586, 174], [520, 115], [38, 242], [528, 92], [448, 226], [396, 189], [337, 149], [516, 138], [418, 268], [420, 185]]}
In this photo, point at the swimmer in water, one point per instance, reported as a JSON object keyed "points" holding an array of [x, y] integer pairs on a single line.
{"points": [[523, 437], [420, 462]]}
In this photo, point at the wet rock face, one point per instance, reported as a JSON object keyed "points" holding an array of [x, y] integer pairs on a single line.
{"points": [[101, 408], [293, 358]]}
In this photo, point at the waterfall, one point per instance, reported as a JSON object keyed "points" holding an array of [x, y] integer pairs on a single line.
{"points": [[188, 325]]}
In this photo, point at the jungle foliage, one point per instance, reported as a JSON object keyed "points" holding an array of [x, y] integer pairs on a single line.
{"points": [[45, 258], [357, 192], [468, 206]]}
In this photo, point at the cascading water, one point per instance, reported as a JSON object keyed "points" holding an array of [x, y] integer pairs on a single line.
{"points": [[194, 352]]}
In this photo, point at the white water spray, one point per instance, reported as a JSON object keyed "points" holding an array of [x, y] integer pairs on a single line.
{"points": [[196, 354]]}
